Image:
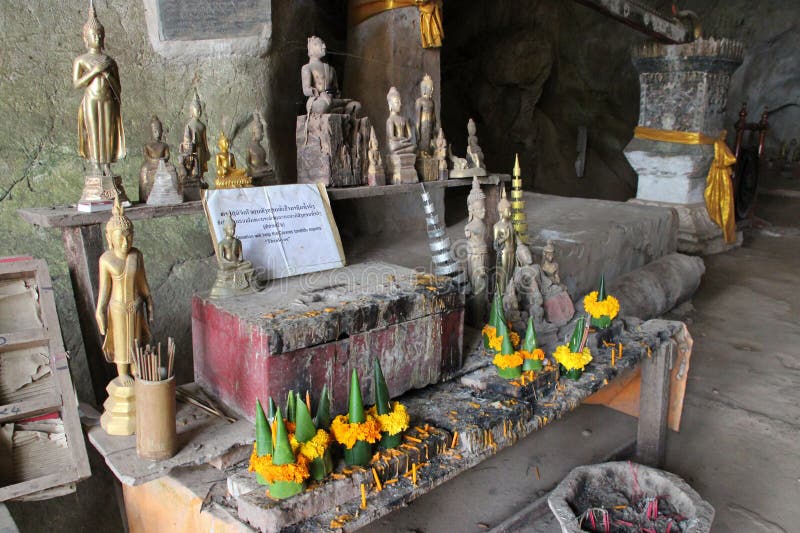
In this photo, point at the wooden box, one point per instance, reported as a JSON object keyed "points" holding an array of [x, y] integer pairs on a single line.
{"points": [[304, 332], [41, 443]]}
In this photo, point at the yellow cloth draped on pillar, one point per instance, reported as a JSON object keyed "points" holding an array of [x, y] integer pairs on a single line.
{"points": [[719, 187], [430, 16]]}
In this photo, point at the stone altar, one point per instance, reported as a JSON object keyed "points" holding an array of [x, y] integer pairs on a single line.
{"points": [[303, 332], [683, 88]]}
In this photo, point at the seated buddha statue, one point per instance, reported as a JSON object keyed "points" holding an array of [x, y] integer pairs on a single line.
{"points": [[234, 274], [228, 176], [399, 135]]}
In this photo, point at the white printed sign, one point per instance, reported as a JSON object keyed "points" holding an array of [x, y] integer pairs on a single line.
{"points": [[285, 230]]}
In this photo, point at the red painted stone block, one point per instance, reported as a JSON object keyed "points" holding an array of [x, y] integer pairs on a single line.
{"points": [[252, 347]]}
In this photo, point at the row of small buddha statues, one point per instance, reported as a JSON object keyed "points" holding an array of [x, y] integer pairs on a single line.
{"points": [[418, 148], [101, 140], [188, 176], [528, 289], [337, 157]]}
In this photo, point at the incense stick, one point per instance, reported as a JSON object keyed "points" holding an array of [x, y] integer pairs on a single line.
{"points": [[197, 402]]}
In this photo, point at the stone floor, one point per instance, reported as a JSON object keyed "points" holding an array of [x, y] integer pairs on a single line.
{"points": [[738, 445]]}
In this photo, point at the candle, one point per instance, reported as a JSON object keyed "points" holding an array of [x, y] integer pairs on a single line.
{"points": [[363, 497], [378, 485]]}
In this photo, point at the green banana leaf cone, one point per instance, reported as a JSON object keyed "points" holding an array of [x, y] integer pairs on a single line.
{"points": [[509, 373], [359, 455], [529, 365], [529, 344], [507, 349], [388, 442], [285, 489], [263, 438], [496, 317], [577, 335], [322, 419], [574, 374], [283, 455], [321, 466], [304, 427], [601, 323], [304, 432]]}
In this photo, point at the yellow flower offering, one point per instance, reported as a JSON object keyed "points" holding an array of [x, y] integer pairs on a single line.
{"points": [[315, 447], [608, 307], [513, 360], [295, 472], [514, 338], [537, 354], [348, 434], [572, 360], [394, 422]]}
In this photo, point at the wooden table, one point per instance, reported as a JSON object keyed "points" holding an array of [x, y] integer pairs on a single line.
{"points": [[82, 234], [158, 499]]}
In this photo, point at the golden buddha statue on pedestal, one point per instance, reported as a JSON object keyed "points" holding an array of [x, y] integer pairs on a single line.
{"points": [[228, 176], [124, 308], [101, 138]]}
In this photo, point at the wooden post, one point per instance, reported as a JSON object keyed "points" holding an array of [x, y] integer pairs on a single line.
{"points": [[83, 246], [653, 406]]}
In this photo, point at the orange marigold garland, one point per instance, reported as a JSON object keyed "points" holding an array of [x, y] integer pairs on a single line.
{"points": [[294, 472], [347, 434], [394, 422], [508, 361]]}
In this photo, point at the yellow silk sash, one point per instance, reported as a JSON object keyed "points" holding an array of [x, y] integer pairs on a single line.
{"points": [[430, 16], [719, 187]]}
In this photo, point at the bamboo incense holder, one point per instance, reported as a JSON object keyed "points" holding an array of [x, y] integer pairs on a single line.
{"points": [[156, 437]]}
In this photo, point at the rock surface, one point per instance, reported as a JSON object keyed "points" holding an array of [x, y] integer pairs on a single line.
{"points": [[532, 72], [40, 166]]}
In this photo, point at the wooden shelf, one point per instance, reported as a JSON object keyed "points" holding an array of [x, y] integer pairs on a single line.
{"points": [[68, 216]]}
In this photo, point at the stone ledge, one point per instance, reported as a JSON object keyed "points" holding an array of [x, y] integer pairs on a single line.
{"points": [[266, 514], [488, 422]]}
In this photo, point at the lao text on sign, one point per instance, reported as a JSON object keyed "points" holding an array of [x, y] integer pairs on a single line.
{"points": [[285, 230]]}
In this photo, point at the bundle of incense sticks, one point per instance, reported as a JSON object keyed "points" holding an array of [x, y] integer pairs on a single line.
{"points": [[148, 361]]}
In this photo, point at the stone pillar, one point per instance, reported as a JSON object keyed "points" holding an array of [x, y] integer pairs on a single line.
{"points": [[684, 88], [384, 51]]}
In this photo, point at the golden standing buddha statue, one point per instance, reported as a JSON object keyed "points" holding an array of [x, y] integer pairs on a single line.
{"points": [[101, 138], [228, 176], [504, 243], [124, 308]]}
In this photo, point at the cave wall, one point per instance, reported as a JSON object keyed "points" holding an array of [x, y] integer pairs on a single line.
{"points": [[531, 72], [40, 166]]}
